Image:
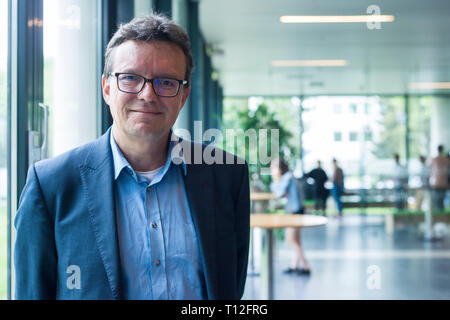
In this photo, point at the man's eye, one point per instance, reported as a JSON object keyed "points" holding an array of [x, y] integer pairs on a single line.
{"points": [[128, 77], [167, 82]]}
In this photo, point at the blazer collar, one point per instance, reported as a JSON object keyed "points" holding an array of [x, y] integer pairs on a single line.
{"points": [[97, 175]]}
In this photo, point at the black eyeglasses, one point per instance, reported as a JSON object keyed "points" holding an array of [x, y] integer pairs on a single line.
{"points": [[134, 83]]}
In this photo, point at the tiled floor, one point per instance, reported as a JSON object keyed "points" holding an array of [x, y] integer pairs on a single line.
{"points": [[355, 258]]}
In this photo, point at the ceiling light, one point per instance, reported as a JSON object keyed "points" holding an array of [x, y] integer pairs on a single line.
{"points": [[336, 19], [429, 85], [309, 63]]}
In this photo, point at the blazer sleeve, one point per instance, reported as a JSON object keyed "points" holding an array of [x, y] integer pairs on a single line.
{"points": [[243, 231], [35, 257]]}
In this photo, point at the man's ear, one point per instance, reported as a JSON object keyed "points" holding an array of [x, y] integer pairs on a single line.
{"points": [[106, 89]]}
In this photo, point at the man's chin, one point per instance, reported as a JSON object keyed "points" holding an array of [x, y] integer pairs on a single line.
{"points": [[145, 131]]}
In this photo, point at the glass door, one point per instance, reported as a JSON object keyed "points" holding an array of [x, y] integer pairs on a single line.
{"points": [[3, 149], [72, 81]]}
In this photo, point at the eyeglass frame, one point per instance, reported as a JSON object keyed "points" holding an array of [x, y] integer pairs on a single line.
{"points": [[117, 74]]}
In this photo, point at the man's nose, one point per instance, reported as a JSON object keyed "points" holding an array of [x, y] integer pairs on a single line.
{"points": [[147, 93]]}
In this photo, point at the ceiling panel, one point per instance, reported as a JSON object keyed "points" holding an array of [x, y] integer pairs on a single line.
{"points": [[415, 47]]}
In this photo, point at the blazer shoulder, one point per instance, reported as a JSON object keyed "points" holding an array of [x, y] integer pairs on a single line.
{"points": [[63, 161], [68, 163]]}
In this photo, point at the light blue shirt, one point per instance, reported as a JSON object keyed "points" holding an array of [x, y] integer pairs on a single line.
{"points": [[287, 187], [159, 248]]}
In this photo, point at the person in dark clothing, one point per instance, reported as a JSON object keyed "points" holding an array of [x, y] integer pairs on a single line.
{"points": [[320, 192]]}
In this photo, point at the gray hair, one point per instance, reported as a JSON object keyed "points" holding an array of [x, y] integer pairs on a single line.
{"points": [[153, 27]]}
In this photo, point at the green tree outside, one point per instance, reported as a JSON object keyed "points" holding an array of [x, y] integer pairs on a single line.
{"points": [[237, 114], [392, 138]]}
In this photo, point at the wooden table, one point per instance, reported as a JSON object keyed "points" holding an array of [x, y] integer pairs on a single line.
{"points": [[269, 221], [255, 196]]}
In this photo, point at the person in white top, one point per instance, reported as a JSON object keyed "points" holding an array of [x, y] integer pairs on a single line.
{"points": [[286, 185], [440, 166]]}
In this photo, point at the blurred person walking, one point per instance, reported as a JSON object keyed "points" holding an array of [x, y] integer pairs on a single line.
{"points": [[440, 166], [320, 192], [338, 185], [284, 184]]}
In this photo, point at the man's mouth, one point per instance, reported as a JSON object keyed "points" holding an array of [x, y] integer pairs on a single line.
{"points": [[146, 112]]}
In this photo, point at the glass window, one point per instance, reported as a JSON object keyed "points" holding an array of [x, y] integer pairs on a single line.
{"points": [[72, 87], [357, 150], [364, 143], [142, 7], [353, 136], [337, 108], [368, 136], [419, 125], [180, 13], [3, 146], [338, 136], [353, 108], [420, 111], [392, 129], [388, 137]]}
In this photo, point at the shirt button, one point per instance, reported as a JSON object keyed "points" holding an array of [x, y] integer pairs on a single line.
{"points": [[158, 262], [154, 225], [149, 188]]}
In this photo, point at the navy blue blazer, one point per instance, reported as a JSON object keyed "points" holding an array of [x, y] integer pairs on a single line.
{"points": [[67, 245]]}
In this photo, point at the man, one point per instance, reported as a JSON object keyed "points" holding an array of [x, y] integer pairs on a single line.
{"points": [[338, 186], [320, 192], [127, 217], [440, 166]]}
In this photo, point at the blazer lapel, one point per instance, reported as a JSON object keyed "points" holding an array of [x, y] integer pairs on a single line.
{"points": [[199, 182], [98, 184]]}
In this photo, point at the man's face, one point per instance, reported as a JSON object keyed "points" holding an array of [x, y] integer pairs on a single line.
{"points": [[145, 114]]}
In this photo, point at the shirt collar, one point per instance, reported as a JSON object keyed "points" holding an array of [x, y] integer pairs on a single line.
{"points": [[120, 162]]}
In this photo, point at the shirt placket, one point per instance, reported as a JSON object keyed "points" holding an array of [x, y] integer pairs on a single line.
{"points": [[157, 251]]}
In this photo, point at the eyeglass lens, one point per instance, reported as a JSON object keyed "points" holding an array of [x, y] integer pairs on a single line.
{"points": [[134, 84]]}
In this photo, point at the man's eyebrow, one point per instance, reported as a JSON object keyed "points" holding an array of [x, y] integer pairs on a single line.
{"points": [[160, 75]]}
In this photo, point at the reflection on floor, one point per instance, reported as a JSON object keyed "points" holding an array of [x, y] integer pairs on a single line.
{"points": [[354, 258]]}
